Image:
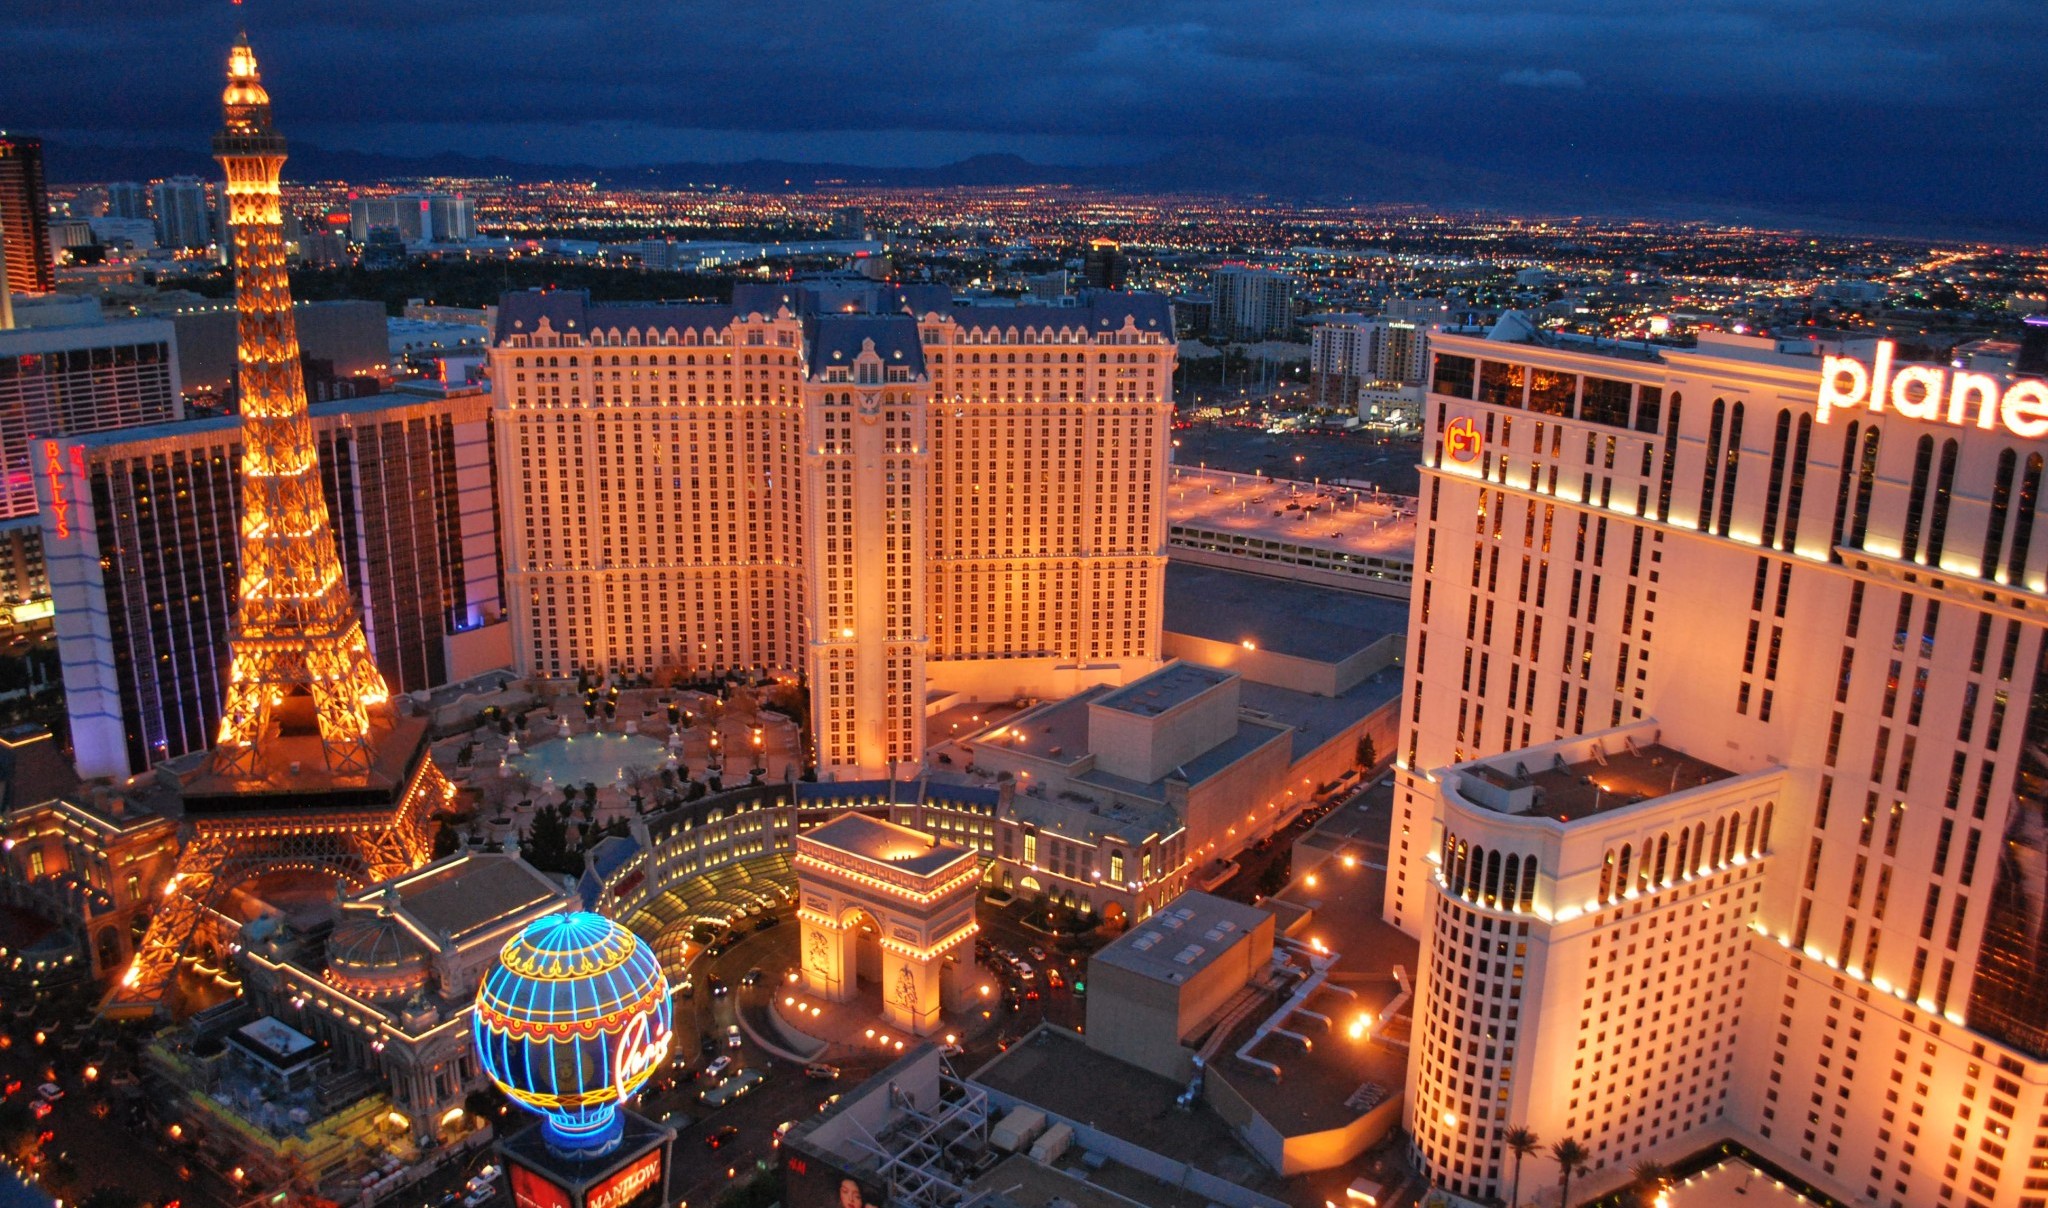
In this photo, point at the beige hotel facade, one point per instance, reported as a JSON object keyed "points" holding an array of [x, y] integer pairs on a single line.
{"points": [[898, 495]]}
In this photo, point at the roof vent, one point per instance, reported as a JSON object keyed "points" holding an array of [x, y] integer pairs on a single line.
{"points": [[1189, 955]]}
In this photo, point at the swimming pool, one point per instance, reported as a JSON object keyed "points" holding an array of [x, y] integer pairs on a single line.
{"points": [[590, 758]]}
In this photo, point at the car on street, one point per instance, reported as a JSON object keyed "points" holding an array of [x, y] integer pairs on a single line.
{"points": [[717, 1068], [479, 1197], [50, 1092], [781, 1130], [721, 1137], [752, 977], [821, 1072], [773, 920], [1025, 971], [1037, 953], [718, 987], [829, 1101], [733, 1039]]}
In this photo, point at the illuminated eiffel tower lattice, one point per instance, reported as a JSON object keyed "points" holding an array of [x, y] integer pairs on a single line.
{"points": [[313, 772]]}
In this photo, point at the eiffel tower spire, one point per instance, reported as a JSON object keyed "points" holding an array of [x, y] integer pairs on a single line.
{"points": [[300, 660]]}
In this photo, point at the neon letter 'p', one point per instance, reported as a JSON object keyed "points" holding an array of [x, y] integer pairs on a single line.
{"points": [[1833, 371]]}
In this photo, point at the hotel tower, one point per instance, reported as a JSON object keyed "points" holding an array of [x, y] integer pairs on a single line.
{"points": [[898, 497], [1723, 769]]}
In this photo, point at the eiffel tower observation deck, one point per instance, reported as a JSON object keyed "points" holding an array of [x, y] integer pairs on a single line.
{"points": [[314, 770]]}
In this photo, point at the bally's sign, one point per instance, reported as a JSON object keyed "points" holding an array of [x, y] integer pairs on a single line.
{"points": [[1934, 393]]}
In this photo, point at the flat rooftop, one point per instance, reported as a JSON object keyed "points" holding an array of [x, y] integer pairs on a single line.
{"points": [[459, 896], [1622, 778], [1058, 734], [1183, 939], [1315, 718], [1019, 1181], [1344, 520], [1282, 616], [1055, 1070], [1165, 689], [886, 843]]}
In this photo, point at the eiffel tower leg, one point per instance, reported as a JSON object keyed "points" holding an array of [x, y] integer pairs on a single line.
{"points": [[141, 990]]}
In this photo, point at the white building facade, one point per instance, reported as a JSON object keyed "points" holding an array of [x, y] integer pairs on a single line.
{"points": [[1837, 606]]}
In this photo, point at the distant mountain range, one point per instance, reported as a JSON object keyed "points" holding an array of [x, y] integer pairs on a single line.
{"points": [[1298, 169]]}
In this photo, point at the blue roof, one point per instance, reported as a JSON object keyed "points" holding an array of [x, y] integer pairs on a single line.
{"points": [[838, 340], [570, 311]]}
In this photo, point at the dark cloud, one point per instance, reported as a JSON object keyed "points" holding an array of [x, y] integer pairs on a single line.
{"points": [[1783, 101]]}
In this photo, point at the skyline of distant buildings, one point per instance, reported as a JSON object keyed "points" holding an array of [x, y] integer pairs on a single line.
{"points": [[1710, 668]]}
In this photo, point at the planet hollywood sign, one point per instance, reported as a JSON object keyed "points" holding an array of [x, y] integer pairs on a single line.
{"points": [[1933, 393]]}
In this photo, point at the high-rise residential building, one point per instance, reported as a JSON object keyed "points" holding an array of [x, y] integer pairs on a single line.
{"points": [[871, 486], [25, 216], [183, 219], [140, 527], [57, 381], [127, 199], [417, 217], [1347, 352], [1719, 801], [1105, 266], [1249, 304], [69, 380]]}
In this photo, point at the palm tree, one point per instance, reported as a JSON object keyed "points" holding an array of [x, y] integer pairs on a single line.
{"points": [[1571, 1158], [1652, 1178], [1522, 1142]]}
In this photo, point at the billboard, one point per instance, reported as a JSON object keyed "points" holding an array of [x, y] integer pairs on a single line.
{"points": [[810, 1183], [531, 1189], [639, 1185]]}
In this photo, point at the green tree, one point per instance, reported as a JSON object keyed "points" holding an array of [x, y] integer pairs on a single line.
{"points": [[1368, 754], [1571, 1158], [1521, 1142], [546, 846], [446, 841]]}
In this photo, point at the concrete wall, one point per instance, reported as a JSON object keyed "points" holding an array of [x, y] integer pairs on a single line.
{"points": [[1044, 678], [1136, 1019], [1222, 802], [1285, 670], [1144, 747]]}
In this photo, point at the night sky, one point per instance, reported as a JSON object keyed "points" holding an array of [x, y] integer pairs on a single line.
{"points": [[1930, 109]]}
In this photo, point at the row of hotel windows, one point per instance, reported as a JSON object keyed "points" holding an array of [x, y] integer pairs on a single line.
{"points": [[1654, 869], [1604, 401], [1556, 392]]}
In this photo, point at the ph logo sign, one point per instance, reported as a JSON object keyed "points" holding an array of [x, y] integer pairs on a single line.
{"points": [[1462, 440], [1932, 393]]}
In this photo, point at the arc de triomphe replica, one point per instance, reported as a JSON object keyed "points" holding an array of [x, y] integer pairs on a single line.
{"points": [[916, 894]]}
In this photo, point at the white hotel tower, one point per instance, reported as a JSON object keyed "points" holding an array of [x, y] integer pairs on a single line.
{"points": [[899, 496], [1723, 811]]}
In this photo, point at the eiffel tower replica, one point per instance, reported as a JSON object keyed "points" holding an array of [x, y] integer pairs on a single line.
{"points": [[314, 771]]}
